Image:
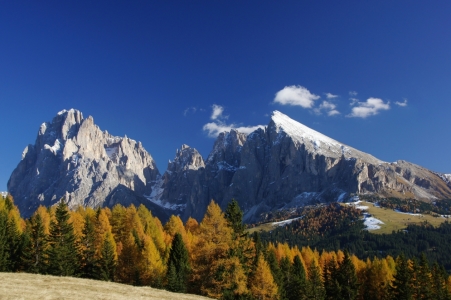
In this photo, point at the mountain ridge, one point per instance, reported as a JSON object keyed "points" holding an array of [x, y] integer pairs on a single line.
{"points": [[286, 164]]}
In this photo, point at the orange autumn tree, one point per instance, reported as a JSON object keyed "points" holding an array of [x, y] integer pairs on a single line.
{"points": [[210, 253], [262, 283]]}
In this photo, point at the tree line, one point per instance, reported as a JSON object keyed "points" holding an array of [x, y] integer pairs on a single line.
{"points": [[334, 227], [215, 257]]}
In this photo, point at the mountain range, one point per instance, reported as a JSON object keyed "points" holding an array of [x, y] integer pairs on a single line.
{"points": [[282, 166]]}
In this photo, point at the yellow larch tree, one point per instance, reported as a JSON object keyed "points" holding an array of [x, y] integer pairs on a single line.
{"points": [[152, 267], [45, 217], [153, 228], [78, 222], [261, 283], [214, 238], [191, 225], [102, 227]]}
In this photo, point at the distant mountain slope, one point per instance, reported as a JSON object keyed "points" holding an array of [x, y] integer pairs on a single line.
{"points": [[284, 165], [35, 286]]}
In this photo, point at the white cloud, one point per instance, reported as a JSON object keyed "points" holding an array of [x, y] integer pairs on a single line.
{"points": [[353, 101], [214, 129], [296, 96], [327, 106], [217, 112], [352, 93], [371, 107], [403, 104], [333, 112], [331, 96]]}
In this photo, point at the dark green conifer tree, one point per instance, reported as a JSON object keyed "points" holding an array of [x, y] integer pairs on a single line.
{"points": [[423, 276], [297, 286], [285, 269], [439, 290], [4, 246], [347, 278], [88, 263], [331, 285], [178, 266], [62, 251], [315, 288], [275, 270], [34, 255], [106, 265], [234, 216], [401, 286]]}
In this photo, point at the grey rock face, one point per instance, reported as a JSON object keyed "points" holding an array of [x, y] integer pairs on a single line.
{"points": [[288, 165], [284, 165], [73, 158]]}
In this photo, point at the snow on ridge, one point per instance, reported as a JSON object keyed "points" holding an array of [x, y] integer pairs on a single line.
{"points": [[372, 223], [319, 142], [300, 131], [446, 177], [285, 222], [157, 193]]}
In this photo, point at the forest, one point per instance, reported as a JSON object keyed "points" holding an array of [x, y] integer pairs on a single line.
{"points": [[215, 257], [333, 227]]}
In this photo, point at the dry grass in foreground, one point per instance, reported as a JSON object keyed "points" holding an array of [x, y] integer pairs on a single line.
{"points": [[46, 287]]}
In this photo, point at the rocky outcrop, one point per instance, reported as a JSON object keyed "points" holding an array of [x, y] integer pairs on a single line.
{"points": [[74, 159]]}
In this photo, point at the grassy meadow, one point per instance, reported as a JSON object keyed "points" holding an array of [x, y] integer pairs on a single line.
{"points": [[392, 220], [396, 221]]}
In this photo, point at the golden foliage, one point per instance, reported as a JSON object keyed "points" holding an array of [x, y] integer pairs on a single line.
{"points": [[262, 283]]}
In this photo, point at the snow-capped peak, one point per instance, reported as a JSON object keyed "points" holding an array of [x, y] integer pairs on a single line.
{"points": [[313, 140], [297, 130]]}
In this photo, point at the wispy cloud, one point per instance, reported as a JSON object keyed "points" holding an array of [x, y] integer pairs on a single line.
{"points": [[371, 107], [328, 107], [331, 96], [295, 95], [353, 101], [213, 129], [403, 104], [352, 93], [189, 110], [217, 112]]}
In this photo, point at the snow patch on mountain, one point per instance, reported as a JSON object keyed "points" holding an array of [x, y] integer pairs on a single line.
{"points": [[299, 131], [314, 141], [285, 222]]}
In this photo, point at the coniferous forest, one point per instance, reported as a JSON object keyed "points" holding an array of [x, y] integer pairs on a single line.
{"points": [[216, 257]]}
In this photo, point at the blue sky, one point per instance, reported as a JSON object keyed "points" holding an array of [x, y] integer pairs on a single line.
{"points": [[375, 75]]}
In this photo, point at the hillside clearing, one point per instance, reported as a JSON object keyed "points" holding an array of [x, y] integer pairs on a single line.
{"points": [[394, 220], [46, 287]]}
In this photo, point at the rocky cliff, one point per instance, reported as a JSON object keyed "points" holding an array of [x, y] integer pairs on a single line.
{"points": [[74, 159], [285, 165], [288, 165]]}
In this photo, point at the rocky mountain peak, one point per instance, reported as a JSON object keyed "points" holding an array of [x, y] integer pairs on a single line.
{"points": [[227, 148], [186, 158], [285, 165], [73, 158]]}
